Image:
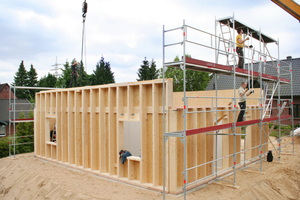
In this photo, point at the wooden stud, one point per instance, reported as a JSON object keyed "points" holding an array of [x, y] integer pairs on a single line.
{"points": [[173, 151], [42, 125], [58, 126], [78, 129], [71, 130], [95, 129], [209, 142], [201, 144], [37, 130], [144, 132], [225, 142], [156, 137], [112, 131]]}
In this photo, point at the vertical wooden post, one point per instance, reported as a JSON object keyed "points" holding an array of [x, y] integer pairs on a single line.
{"points": [[249, 136], [37, 121], [143, 117], [209, 142], [58, 126], [156, 138], [112, 130], [78, 128], [201, 144], [225, 141], [173, 152], [71, 135]]}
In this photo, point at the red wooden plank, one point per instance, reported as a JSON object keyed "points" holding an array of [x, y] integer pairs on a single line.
{"points": [[270, 119], [285, 116], [285, 80], [208, 129], [207, 64], [23, 119], [249, 122], [229, 125]]}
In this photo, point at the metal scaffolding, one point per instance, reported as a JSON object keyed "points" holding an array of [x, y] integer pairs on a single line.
{"points": [[12, 117], [224, 44]]}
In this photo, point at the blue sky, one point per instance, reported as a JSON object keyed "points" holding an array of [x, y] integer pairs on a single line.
{"points": [[124, 32]]}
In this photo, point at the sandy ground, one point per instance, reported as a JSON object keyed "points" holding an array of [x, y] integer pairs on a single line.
{"points": [[27, 177]]}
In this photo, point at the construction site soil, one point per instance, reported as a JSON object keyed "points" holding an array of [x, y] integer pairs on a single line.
{"points": [[27, 177]]}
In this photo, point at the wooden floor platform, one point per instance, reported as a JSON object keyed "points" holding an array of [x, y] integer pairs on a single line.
{"points": [[205, 66]]}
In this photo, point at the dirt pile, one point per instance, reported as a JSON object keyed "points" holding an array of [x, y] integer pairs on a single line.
{"points": [[29, 178]]}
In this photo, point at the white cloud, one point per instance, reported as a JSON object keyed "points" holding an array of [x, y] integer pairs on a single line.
{"points": [[124, 32]]}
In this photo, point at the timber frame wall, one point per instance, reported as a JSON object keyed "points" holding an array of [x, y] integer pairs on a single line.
{"points": [[89, 127]]}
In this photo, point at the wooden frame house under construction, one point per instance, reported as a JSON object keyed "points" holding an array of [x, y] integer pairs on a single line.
{"points": [[94, 123]]}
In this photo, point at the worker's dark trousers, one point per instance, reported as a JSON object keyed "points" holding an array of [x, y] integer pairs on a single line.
{"points": [[239, 51], [74, 76], [242, 112]]}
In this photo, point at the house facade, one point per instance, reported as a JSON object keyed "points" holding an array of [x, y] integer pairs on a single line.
{"points": [[22, 105], [4, 91]]}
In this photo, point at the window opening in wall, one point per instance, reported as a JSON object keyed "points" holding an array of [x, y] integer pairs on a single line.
{"points": [[132, 137]]}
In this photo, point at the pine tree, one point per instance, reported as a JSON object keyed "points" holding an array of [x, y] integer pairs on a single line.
{"points": [[32, 81], [102, 74], [65, 78], [143, 71], [21, 79], [108, 74], [153, 72], [98, 74], [84, 77], [47, 81]]}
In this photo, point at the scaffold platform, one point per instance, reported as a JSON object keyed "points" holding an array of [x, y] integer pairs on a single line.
{"points": [[205, 66]]}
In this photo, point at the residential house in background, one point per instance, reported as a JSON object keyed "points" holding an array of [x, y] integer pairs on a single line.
{"points": [[4, 91], [22, 105]]}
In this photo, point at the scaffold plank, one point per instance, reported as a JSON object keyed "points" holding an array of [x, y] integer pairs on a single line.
{"points": [[201, 65], [229, 125]]}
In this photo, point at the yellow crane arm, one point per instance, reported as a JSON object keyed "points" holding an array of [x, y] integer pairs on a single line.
{"points": [[289, 6]]}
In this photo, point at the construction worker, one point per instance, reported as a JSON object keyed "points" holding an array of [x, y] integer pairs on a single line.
{"points": [[74, 74], [239, 47], [242, 101]]}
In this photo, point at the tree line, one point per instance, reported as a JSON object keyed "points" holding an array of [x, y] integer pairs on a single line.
{"points": [[102, 74]]}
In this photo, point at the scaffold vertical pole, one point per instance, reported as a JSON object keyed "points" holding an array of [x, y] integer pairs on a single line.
{"points": [[184, 112], [216, 52], [279, 101], [164, 120], [234, 113], [216, 143], [292, 105], [9, 120], [261, 102], [14, 123]]}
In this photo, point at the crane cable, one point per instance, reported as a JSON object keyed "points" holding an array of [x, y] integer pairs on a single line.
{"points": [[83, 43]]}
